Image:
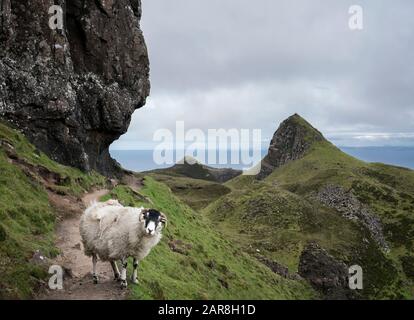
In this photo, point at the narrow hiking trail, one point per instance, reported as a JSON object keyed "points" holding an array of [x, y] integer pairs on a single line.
{"points": [[78, 283]]}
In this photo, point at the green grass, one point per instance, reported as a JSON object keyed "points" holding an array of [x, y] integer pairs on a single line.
{"points": [[26, 218], [387, 190], [72, 180], [26, 224], [214, 268], [279, 223], [194, 192], [279, 215]]}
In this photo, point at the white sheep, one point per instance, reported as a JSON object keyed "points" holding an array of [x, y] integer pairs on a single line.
{"points": [[113, 232]]}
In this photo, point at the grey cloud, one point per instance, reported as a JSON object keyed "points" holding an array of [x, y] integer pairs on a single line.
{"points": [[245, 64]]}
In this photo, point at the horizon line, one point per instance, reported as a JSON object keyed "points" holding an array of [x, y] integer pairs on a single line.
{"points": [[243, 149]]}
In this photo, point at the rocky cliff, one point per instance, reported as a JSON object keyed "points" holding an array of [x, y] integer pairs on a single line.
{"points": [[290, 142], [325, 273], [73, 91]]}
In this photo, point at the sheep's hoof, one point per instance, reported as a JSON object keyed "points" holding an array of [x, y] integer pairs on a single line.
{"points": [[95, 279], [124, 284], [134, 281]]}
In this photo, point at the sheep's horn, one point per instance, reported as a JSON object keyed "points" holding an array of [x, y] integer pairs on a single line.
{"points": [[163, 219]]}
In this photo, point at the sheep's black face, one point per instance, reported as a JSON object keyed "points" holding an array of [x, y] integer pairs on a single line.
{"points": [[153, 220]]}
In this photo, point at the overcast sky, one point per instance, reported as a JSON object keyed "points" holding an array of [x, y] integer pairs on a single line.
{"points": [[250, 64]]}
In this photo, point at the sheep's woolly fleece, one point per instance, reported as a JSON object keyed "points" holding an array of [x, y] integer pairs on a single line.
{"points": [[115, 232]]}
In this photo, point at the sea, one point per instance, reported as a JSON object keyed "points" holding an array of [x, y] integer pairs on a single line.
{"points": [[143, 160]]}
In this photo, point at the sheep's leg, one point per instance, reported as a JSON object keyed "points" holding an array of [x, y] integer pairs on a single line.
{"points": [[116, 270], [124, 283], [134, 277], [94, 262]]}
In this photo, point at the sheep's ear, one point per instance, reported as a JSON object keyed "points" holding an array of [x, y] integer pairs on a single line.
{"points": [[143, 215], [163, 219]]}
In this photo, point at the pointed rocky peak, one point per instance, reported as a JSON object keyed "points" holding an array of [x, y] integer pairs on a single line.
{"points": [[290, 142], [301, 128]]}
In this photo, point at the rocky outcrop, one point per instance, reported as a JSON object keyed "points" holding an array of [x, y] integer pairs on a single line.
{"points": [[73, 91], [290, 142], [179, 246], [352, 209], [277, 268], [325, 273]]}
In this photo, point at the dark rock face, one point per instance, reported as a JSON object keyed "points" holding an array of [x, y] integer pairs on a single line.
{"points": [[278, 268], [274, 266], [290, 142], [326, 274], [72, 92], [352, 209]]}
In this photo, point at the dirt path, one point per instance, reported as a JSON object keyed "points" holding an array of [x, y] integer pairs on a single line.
{"points": [[78, 283]]}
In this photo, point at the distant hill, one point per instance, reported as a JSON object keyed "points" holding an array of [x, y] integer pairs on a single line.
{"points": [[191, 168], [195, 184], [312, 201]]}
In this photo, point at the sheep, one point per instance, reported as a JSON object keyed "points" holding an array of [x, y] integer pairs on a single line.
{"points": [[113, 232]]}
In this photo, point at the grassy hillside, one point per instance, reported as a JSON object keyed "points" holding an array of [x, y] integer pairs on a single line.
{"points": [[208, 265], [280, 214], [195, 193], [388, 190], [195, 184], [26, 217]]}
